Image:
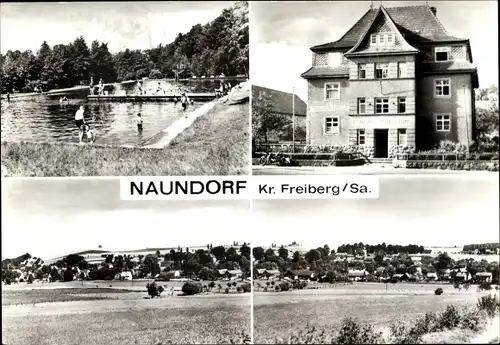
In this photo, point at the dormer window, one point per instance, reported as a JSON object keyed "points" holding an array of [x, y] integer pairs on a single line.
{"points": [[442, 54], [386, 39]]}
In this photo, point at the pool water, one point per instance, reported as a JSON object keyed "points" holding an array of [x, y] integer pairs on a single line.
{"points": [[42, 119]]}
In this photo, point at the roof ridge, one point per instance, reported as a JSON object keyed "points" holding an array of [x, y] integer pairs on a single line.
{"points": [[437, 20], [352, 26]]}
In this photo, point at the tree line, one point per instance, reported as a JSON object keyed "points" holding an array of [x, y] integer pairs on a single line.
{"points": [[218, 47]]}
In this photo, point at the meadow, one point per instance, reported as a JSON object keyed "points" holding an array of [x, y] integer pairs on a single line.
{"points": [[72, 313], [216, 144], [278, 315]]}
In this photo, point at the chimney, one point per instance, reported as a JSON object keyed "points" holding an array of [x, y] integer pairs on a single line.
{"points": [[434, 11]]}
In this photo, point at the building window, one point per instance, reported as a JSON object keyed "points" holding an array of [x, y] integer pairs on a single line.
{"points": [[361, 106], [402, 70], [443, 122], [381, 39], [382, 106], [401, 104], [390, 39], [402, 138], [362, 71], [442, 54], [381, 70], [442, 88], [332, 91], [373, 39], [361, 137], [332, 125]]}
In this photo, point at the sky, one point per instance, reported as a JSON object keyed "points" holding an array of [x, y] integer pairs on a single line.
{"points": [[52, 217], [440, 211], [282, 33], [133, 25]]}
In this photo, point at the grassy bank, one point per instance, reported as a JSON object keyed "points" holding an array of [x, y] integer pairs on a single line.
{"points": [[454, 325], [216, 144]]}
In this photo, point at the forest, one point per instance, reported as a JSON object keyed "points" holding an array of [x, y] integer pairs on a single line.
{"points": [[218, 47]]}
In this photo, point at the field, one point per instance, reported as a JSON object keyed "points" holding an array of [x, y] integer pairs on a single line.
{"points": [[277, 314], [95, 313], [216, 144]]}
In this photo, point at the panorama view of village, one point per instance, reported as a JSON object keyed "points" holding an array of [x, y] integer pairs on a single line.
{"points": [[405, 91]]}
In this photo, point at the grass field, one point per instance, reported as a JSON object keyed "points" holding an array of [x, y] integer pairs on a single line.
{"points": [[216, 144], [68, 313], [278, 314]]}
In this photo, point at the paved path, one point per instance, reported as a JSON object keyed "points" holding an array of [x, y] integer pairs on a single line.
{"points": [[165, 137]]}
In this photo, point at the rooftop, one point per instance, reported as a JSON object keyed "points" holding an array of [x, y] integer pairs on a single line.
{"points": [[416, 23], [282, 102]]}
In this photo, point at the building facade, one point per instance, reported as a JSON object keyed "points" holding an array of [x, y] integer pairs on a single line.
{"points": [[396, 79]]}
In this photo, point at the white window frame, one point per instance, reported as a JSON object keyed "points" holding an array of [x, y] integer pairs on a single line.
{"points": [[334, 119], [373, 38], [446, 50], [440, 119], [383, 101], [402, 100], [439, 83], [359, 105], [360, 134], [361, 67], [385, 68], [404, 69], [326, 91], [401, 135], [391, 43]]}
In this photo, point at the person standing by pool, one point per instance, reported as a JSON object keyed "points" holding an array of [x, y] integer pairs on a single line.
{"points": [[184, 101], [158, 89], [80, 123], [139, 122], [8, 96], [101, 87]]}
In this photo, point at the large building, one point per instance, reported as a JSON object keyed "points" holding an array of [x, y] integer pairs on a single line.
{"points": [[396, 78]]}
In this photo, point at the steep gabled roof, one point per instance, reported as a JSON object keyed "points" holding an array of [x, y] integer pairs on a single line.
{"points": [[417, 23], [402, 46], [282, 102]]}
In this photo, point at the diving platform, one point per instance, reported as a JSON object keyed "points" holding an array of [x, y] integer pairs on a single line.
{"points": [[151, 98]]}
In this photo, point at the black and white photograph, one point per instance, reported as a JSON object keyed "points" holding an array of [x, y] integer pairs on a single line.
{"points": [[125, 88], [408, 268], [374, 87], [84, 267]]}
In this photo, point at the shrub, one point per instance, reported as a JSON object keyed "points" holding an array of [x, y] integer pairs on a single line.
{"points": [[285, 286], [489, 304], [485, 286], [450, 318], [192, 288], [438, 291], [246, 287], [238, 289], [353, 333], [226, 290]]}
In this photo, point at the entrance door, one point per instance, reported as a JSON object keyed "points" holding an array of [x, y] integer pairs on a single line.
{"points": [[381, 143]]}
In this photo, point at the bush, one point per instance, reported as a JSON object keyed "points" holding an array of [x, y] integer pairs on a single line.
{"points": [[192, 288], [285, 286], [438, 291], [246, 287], [226, 290], [450, 318], [489, 304], [353, 333], [485, 286]]}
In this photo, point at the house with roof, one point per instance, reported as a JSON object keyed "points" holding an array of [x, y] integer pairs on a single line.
{"points": [[282, 103], [483, 277], [396, 78], [357, 275]]}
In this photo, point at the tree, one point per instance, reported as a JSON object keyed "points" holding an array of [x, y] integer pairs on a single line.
{"points": [[265, 120], [73, 259], [258, 253], [219, 252], [150, 265], [283, 253]]}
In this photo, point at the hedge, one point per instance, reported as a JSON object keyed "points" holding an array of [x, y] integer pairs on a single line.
{"points": [[454, 165], [489, 156]]}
